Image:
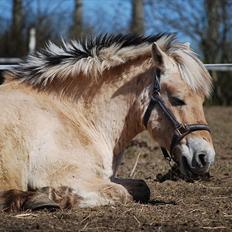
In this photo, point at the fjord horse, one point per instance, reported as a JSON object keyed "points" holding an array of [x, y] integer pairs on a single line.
{"points": [[68, 112]]}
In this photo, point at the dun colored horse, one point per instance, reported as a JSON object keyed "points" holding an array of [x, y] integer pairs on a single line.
{"points": [[68, 112]]}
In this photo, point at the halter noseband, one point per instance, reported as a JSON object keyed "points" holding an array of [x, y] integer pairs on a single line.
{"points": [[181, 130]]}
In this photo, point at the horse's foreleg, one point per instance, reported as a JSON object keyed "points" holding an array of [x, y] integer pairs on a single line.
{"points": [[43, 198], [96, 192], [89, 195], [48, 197], [103, 192], [17, 200]]}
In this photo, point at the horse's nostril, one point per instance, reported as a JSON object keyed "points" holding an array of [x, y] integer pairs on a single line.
{"points": [[201, 159]]}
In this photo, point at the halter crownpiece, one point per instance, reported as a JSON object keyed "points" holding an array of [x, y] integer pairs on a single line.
{"points": [[180, 129]]}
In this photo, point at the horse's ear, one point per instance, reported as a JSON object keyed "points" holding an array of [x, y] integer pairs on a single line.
{"points": [[158, 56]]}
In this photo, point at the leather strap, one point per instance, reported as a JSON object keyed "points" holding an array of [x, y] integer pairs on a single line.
{"points": [[153, 101], [184, 130]]}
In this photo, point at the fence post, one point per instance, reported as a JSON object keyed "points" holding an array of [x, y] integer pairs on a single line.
{"points": [[32, 40]]}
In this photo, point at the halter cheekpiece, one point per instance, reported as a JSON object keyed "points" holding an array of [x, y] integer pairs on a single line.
{"points": [[180, 129]]}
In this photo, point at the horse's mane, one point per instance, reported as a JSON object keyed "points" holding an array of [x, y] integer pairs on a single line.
{"points": [[92, 56]]}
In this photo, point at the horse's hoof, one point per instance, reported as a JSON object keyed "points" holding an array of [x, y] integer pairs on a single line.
{"points": [[40, 201], [137, 188], [51, 207]]}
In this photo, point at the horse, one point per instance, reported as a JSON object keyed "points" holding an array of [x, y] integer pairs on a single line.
{"points": [[68, 112]]}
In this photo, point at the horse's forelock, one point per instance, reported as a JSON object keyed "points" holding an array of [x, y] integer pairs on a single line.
{"points": [[194, 73], [192, 70]]}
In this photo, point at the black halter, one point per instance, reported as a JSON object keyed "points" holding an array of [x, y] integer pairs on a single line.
{"points": [[180, 129]]}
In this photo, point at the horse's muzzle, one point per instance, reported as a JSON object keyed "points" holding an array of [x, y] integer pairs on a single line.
{"points": [[195, 156]]}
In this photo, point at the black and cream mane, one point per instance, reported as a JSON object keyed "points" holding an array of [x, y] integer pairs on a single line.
{"points": [[93, 56]]}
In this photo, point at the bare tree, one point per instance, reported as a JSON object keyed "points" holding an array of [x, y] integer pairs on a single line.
{"points": [[137, 21], [205, 22], [217, 46], [17, 39], [214, 37], [45, 16], [17, 15], [186, 17], [208, 25], [77, 27]]}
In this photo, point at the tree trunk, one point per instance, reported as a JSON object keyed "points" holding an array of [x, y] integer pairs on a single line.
{"points": [[215, 46], [137, 22], [17, 28], [77, 29], [211, 40], [17, 20]]}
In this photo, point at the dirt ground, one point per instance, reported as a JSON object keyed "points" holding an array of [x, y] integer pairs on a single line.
{"points": [[174, 205]]}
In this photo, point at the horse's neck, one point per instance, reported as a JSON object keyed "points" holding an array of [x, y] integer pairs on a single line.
{"points": [[115, 109]]}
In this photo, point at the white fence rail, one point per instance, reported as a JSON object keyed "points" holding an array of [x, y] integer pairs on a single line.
{"points": [[219, 67], [7, 63]]}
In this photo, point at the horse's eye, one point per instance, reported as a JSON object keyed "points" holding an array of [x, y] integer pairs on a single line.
{"points": [[175, 101]]}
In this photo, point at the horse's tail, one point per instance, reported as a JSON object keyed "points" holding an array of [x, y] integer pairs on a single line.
{"points": [[43, 198]]}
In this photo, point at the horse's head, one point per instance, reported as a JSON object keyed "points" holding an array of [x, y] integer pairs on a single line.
{"points": [[179, 87]]}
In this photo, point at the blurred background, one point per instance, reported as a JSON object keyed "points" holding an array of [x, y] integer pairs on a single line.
{"points": [[26, 25]]}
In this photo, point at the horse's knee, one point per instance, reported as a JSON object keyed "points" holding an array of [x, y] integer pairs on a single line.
{"points": [[103, 193], [116, 193]]}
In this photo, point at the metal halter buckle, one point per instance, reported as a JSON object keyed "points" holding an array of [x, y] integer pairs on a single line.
{"points": [[182, 129]]}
